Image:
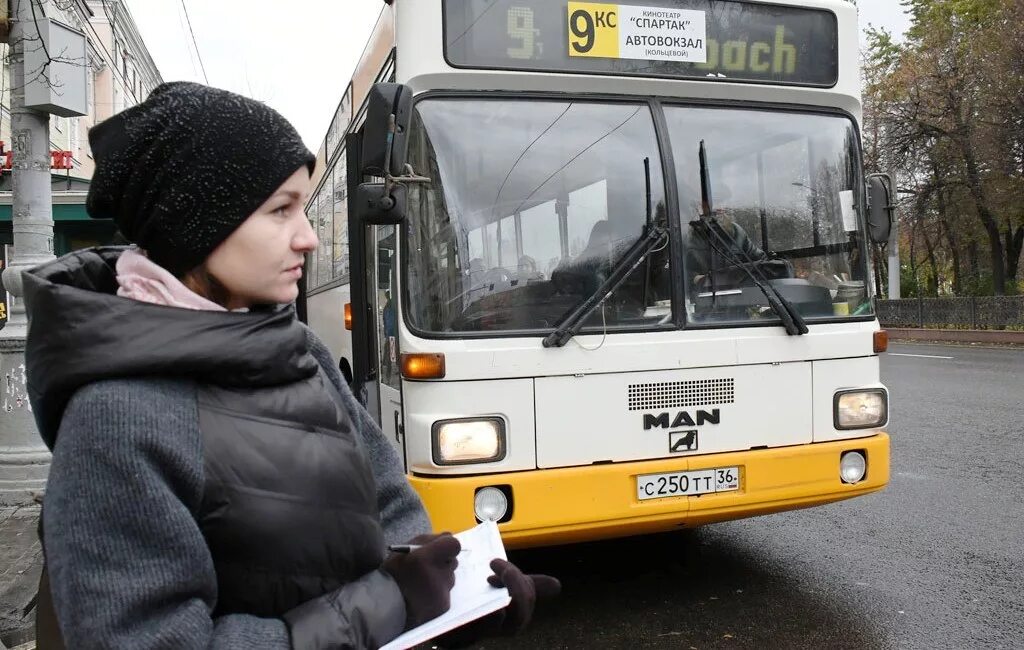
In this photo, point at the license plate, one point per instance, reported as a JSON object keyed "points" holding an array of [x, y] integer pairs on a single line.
{"points": [[685, 484]]}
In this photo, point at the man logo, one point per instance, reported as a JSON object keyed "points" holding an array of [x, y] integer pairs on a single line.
{"points": [[682, 441], [682, 419]]}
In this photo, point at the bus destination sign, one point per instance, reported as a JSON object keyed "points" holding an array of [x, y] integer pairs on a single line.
{"points": [[708, 39], [627, 32]]}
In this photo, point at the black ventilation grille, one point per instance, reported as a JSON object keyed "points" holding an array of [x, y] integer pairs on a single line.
{"points": [[681, 394]]}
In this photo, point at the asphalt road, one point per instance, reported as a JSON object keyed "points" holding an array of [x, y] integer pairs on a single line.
{"points": [[933, 561]]}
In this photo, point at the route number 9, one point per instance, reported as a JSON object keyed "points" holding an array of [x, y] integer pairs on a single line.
{"points": [[521, 27], [581, 24]]}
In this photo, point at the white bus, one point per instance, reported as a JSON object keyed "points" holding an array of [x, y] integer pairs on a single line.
{"points": [[603, 269]]}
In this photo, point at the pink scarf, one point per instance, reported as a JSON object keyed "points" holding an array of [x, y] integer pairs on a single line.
{"points": [[143, 280]]}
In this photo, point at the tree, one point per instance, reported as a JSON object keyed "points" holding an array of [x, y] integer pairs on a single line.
{"points": [[947, 108]]}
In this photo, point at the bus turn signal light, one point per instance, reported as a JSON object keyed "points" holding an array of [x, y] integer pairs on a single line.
{"points": [[348, 316], [423, 366], [881, 341]]}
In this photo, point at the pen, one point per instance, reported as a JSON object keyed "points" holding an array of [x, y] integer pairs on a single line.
{"points": [[409, 548]]}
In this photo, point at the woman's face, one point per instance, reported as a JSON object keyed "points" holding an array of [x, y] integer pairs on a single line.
{"points": [[261, 262]]}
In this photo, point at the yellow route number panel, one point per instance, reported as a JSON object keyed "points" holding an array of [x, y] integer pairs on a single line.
{"points": [[613, 31]]}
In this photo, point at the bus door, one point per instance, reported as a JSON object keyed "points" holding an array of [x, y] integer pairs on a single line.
{"points": [[373, 250], [384, 301]]}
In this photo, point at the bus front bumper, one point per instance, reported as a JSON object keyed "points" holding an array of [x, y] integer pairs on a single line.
{"points": [[575, 504]]}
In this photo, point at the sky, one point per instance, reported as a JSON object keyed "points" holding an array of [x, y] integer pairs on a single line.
{"points": [[297, 55]]}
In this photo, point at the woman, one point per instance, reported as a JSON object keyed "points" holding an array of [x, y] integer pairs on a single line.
{"points": [[214, 482]]}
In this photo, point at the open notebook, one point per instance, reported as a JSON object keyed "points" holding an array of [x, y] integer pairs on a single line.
{"points": [[471, 597]]}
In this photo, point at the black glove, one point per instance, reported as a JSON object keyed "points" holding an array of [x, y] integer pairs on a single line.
{"points": [[525, 591], [425, 576]]}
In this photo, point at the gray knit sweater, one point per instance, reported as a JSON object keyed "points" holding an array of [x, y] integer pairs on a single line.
{"points": [[129, 567]]}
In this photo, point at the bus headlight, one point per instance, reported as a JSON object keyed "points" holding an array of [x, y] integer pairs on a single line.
{"points": [[477, 440], [861, 409]]}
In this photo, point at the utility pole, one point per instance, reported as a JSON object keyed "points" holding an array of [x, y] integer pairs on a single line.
{"points": [[24, 459], [894, 242]]}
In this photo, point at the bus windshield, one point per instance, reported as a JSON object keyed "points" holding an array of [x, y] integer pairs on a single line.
{"points": [[784, 191], [532, 203]]}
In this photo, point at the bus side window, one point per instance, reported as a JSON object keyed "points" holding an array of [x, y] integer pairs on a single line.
{"points": [[587, 206], [538, 224]]}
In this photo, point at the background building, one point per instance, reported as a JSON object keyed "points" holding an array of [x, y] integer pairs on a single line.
{"points": [[121, 74]]}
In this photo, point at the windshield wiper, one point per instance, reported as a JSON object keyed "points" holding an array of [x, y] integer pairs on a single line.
{"points": [[652, 238], [723, 243]]}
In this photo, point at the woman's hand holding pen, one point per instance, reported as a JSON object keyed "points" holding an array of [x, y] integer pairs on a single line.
{"points": [[425, 575]]}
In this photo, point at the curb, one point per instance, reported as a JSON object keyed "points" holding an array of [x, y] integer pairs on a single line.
{"points": [[20, 639], [20, 566], [1000, 337]]}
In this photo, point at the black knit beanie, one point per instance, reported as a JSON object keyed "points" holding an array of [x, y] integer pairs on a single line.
{"points": [[180, 171]]}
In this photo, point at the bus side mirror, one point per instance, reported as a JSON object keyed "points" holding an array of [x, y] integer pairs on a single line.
{"points": [[880, 207], [385, 132], [376, 205]]}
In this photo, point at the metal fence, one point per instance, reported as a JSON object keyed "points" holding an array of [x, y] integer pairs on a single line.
{"points": [[970, 313]]}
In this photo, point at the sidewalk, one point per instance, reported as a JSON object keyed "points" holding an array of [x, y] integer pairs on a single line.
{"points": [[21, 561]]}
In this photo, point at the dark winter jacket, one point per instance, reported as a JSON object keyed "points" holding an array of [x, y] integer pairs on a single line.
{"points": [[214, 483]]}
